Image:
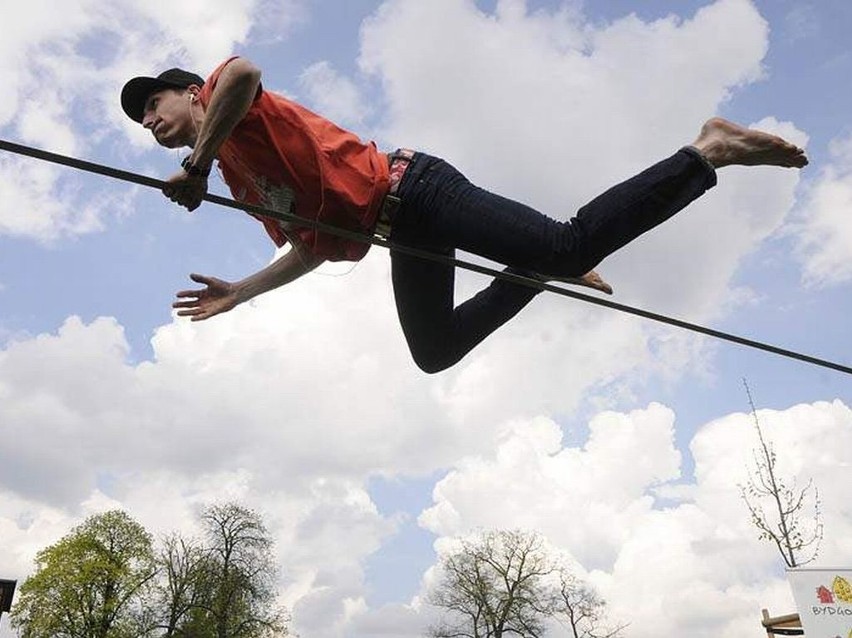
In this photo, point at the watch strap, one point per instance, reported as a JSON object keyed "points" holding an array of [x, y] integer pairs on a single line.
{"points": [[192, 169]]}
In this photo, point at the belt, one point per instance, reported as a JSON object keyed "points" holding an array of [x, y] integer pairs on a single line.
{"points": [[398, 163]]}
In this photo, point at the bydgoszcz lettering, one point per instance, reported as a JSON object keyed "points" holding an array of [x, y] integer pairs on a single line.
{"points": [[831, 611]]}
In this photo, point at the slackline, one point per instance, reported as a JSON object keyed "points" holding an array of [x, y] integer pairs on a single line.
{"points": [[142, 180]]}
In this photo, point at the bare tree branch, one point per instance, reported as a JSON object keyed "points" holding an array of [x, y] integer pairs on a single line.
{"points": [[797, 542]]}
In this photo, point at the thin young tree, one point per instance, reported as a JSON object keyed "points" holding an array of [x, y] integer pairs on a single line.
{"points": [[579, 606], [777, 506]]}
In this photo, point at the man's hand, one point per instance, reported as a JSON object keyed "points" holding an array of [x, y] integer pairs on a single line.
{"points": [[219, 296], [186, 190]]}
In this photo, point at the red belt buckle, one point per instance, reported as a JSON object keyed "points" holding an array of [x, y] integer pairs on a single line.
{"points": [[400, 160], [398, 163]]}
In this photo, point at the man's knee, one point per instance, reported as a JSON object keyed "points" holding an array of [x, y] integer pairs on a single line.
{"points": [[432, 360]]}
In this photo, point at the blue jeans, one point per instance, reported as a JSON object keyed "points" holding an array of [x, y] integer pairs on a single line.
{"points": [[442, 211]]}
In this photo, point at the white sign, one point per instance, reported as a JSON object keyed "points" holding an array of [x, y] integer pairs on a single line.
{"points": [[824, 599]]}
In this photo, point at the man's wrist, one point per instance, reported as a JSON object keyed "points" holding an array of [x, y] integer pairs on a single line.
{"points": [[194, 170], [244, 290]]}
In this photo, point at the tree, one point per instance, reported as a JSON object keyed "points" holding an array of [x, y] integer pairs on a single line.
{"points": [[582, 609], [91, 584], [183, 585], [238, 576], [783, 523], [103, 580], [494, 586], [505, 583]]}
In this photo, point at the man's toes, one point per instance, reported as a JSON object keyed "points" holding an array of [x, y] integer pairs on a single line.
{"points": [[594, 280]]}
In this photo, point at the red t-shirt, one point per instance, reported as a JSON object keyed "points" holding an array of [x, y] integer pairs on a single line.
{"points": [[284, 157]]}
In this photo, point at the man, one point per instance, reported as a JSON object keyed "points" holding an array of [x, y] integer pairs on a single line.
{"points": [[275, 153]]}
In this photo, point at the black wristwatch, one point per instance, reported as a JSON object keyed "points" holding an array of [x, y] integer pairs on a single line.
{"points": [[192, 169]]}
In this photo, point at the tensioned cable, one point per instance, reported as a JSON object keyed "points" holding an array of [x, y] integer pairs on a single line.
{"points": [[423, 254]]}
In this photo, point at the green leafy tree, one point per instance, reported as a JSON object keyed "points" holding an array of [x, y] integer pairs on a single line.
{"points": [[93, 583]]}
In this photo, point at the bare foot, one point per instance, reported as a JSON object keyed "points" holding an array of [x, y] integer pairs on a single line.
{"points": [[590, 280], [724, 143]]}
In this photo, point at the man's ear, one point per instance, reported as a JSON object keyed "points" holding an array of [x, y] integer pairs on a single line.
{"points": [[193, 90]]}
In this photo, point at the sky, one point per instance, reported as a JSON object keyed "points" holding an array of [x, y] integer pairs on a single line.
{"points": [[621, 441]]}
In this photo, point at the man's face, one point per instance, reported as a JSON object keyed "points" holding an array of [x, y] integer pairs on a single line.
{"points": [[168, 116]]}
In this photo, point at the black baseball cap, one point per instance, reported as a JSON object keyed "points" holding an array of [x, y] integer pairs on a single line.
{"points": [[136, 91]]}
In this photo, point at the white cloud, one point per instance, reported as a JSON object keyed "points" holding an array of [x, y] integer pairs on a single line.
{"points": [[824, 235], [27, 28], [335, 96], [39, 201], [42, 124], [697, 563], [391, 621], [607, 481]]}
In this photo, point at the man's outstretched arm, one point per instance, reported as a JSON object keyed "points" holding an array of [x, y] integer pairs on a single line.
{"points": [[221, 296]]}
